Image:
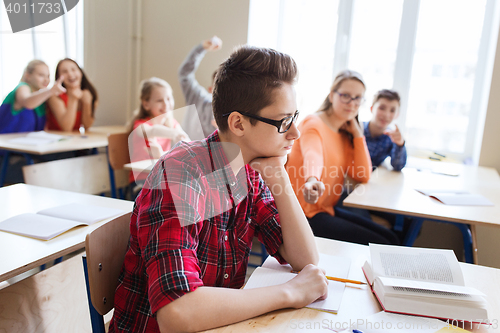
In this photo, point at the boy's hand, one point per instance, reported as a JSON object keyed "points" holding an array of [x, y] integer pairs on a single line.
{"points": [[309, 285], [352, 126], [57, 88], [212, 44], [313, 190], [271, 169], [396, 136]]}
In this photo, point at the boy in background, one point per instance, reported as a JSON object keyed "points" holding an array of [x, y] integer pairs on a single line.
{"points": [[382, 142], [194, 221], [195, 94]]}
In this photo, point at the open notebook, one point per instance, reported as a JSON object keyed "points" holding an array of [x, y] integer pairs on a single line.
{"points": [[272, 273], [456, 197], [51, 222], [38, 138], [423, 282]]}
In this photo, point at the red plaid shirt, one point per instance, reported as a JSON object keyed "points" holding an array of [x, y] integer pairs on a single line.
{"points": [[192, 225]]}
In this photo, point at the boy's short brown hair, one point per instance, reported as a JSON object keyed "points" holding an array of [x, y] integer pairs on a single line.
{"points": [[247, 79], [391, 95]]}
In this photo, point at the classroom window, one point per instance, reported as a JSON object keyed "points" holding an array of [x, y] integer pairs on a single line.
{"points": [[281, 25], [436, 53], [50, 42]]}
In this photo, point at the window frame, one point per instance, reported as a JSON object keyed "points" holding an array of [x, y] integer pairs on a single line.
{"points": [[404, 66]]}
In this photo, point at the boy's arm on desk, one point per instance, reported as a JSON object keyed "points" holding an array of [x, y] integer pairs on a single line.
{"points": [[213, 307]]}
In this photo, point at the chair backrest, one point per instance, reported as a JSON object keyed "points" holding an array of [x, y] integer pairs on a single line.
{"points": [[86, 174], [105, 248], [118, 150]]}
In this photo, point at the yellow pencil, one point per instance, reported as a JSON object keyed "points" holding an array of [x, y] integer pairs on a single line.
{"points": [[344, 280], [339, 279]]}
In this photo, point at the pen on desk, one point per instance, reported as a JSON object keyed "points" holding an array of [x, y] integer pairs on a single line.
{"points": [[434, 158], [339, 279], [438, 154]]}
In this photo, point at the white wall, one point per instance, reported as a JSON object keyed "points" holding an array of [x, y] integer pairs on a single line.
{"points": [[488, 238]]}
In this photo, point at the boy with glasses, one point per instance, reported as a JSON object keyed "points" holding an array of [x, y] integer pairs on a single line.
{"points": [[204, 201]]}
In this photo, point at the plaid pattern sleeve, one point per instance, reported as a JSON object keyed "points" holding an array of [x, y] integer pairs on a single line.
{"points": [[197, 234], [381, 146]]}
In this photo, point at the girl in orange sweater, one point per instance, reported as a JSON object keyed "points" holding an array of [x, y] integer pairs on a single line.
{"points": [[331, 146]]}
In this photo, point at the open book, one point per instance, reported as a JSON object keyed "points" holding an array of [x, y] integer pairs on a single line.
{"points": [[456, 197], [38, 138], [424, 282], [51, 222], [272, 273]]}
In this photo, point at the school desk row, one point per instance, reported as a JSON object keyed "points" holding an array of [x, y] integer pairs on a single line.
{"points": [[55, 298], [96, 137]]}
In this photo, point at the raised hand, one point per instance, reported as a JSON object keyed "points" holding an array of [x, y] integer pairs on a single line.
{"points": [[396, 136], [57, 88], [313, 190], [212, 44]]}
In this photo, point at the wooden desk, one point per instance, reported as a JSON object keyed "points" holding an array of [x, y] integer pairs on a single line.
{"points": [[19, 254], [359, 302], [394, 192], [75, 141]]}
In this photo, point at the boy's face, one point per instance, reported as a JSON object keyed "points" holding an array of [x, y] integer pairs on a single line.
{"points": [[262, 139], [384, 112]]}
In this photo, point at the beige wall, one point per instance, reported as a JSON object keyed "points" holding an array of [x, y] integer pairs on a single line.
{"points": [[118, 55]]}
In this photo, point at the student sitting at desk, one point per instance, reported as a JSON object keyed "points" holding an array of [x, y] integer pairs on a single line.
{"points": [[332, 145], [153, 126], [23, 110], [195, 94], [382, 142], [202, 204], [76, 107]]}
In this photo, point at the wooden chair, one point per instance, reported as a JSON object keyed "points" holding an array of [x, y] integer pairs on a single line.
{"points": [[118, 155], [51, 301], [85, 174], [105, 248]]}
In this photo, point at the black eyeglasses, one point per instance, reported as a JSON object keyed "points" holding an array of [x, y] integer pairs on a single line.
{"points": [[346, 98], [282, 125]]}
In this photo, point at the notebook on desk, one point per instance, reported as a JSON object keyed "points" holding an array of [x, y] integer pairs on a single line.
{"points": [[456, 197], [49, 223], [423, 282], [273, 273], [38, 138]]}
